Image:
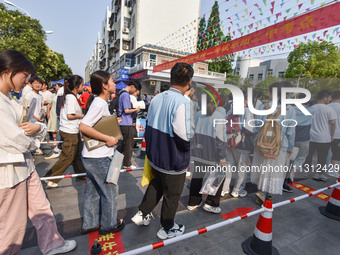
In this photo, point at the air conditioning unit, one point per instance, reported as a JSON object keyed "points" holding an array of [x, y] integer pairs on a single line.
{"points": [[130, 10], [126, 47], [126, 30]]}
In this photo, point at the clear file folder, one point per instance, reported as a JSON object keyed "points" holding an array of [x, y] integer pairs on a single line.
{"points": [[107, 125]]}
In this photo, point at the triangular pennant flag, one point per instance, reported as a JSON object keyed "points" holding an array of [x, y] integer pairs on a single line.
{"points": [[322, 4], [245, 2], [305, 37], [331, 38], [285, 18], [272, 10], [300, 6], [237, 16], [256, 5], [268, 19], [246, 10], [265, 2], [324, 33], [226, 10], [235, 5], [273, 3], [288, 10], [278, 15]]}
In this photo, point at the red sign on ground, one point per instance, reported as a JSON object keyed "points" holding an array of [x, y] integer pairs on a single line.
{"points": [[319, 19], [112, 244], [308, 190], [238, 212]]}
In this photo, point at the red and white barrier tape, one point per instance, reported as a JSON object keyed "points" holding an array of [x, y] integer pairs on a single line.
{"points": [[50, 142], [84, 174], [221, 224]]}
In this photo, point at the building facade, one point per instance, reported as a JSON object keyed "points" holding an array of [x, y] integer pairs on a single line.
{"points": [[131, 39], [257, 71]]}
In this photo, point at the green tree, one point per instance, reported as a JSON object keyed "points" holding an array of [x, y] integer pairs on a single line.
{"points": [[314, 60], [25, 34], [201, 40], [263, 86], [215, 36]]}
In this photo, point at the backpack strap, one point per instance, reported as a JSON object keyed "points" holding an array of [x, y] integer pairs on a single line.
{"points": [[271, 116]]}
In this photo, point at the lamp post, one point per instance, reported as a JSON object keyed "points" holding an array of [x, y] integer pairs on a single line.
{"points": [[14, 5], [10, 3]]}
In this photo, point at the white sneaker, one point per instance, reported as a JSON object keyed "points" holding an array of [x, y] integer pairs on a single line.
{"points": [[51, 185], [38, 152], [139, 219], [68, 246], [176, 230], [212, 209], [223, 193], [320, 177], [57, 150], [193, 207], [54, 155], [130, 167], [236, 194], [333, 173]]}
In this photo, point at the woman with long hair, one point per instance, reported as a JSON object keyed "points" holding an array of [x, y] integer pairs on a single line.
{"points": [[21, 192], [100, 197], [70, 117]]}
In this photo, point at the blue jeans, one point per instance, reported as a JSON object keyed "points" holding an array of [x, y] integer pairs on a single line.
{"points": [[100, 197]]}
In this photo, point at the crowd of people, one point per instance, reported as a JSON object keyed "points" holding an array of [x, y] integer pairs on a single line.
{"points": [[178, 132]]}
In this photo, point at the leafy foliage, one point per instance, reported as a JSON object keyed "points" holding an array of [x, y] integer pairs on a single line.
{"points": [[25, 34], [314, 60]]}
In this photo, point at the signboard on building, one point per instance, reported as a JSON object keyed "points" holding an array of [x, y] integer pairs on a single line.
{"points": [[139, 76]]}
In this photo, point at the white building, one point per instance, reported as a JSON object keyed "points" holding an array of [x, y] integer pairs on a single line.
{"points": [[132, 40]]}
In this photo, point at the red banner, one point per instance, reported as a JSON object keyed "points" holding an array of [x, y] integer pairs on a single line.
{"points": [[319, 19]]}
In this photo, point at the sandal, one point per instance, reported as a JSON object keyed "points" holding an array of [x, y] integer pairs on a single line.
{"points": [[119, 227]]}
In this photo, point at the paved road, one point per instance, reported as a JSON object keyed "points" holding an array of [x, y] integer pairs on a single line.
{"points": [[298, 228]]}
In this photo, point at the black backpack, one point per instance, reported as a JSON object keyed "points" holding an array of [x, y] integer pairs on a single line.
{"points": [[114, 104]]}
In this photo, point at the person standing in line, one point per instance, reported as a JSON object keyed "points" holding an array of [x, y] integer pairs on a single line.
{"points": [[47, 98], [208, 148], [272, 181], [100, 197], [38, 114], [321, 134], [83, 99], [125, 111], [168, 150], [302, 136], [335, 145], [70, 117], [21, 191], [26, 89], [239, 156]]}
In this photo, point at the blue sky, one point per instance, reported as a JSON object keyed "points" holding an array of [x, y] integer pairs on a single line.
{"points": [[76, 23]]}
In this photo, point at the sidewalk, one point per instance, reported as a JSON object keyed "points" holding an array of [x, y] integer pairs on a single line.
{"points": [[298, 228]]}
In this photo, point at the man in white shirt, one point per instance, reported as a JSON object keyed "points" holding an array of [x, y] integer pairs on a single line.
{"points": [[335, 145], [321, 135], [36, 87]]}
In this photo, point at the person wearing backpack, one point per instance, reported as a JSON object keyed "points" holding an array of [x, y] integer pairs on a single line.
{"points": [[240, 145], [274, 144], [125, 111]]}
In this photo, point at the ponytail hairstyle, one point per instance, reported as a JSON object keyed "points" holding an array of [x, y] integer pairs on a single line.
{"points": [[74, 82], [98, 78], [15, 62]]}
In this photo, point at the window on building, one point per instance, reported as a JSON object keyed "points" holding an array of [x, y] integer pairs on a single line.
{"points": [[138, 60], [133, 21], [127, 3], [128, 62], [270, 72], [251, 77], [132, 43], [259, 76], [281, 74], [126, 45], [127, 22], [152, 59]]}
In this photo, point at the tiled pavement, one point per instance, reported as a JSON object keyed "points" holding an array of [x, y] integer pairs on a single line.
{"points": [[298, 228]]}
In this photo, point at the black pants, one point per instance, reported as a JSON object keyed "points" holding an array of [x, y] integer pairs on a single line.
{"points": [[195, 197], [322, 150], [170, 187], [335, 145], [127, 146]]}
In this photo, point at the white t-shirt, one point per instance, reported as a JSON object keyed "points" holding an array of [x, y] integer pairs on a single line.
{"points": [[320, 131], [29, 96], [97, 110], [336, 108], [47, 96], [26, 89], [60, 91], [71, 106]]}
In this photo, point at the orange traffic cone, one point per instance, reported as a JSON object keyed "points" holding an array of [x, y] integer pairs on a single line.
{"points": [[332, 210], [143, 149], [261, 241]]}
